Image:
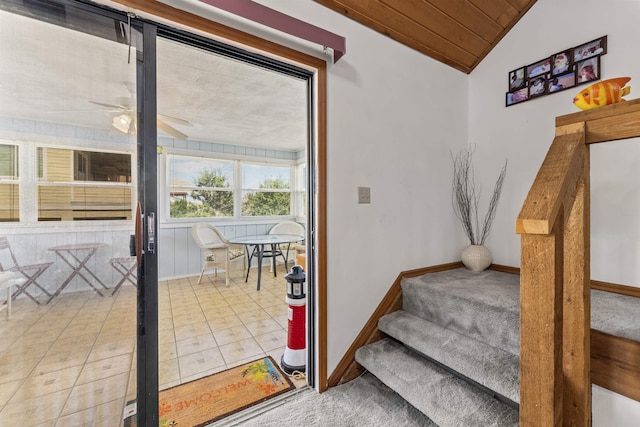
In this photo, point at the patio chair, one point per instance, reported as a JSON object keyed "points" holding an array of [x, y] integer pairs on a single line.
{"points": [[218, 252], [30, 272], [293, 228]]}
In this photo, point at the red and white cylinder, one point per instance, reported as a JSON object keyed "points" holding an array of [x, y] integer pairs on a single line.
{"points": [[295, 354]]}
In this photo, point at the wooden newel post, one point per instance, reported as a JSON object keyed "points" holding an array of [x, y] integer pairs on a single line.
{"points": [[541, 306], [555, 383]]}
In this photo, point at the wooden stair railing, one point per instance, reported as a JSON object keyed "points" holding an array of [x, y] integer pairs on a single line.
{"points": [[555, 382]]}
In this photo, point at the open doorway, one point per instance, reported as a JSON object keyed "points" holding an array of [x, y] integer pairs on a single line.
{"points": [[235, 157]]}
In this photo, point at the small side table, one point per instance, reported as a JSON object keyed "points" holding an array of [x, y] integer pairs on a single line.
{"points": [[7, 280]]}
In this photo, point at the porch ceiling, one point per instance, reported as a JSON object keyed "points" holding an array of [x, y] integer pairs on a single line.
{"points": [[53, 75]]}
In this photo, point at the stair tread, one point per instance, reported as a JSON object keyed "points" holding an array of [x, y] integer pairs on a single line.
{"points": [[482, 305], [439, 394], [489, 366]]}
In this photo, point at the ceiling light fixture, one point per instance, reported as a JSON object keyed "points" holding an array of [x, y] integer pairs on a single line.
{"points": [[122, 122]]}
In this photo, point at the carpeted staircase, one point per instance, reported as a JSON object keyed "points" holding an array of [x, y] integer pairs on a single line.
{"points": [[453, 350]]}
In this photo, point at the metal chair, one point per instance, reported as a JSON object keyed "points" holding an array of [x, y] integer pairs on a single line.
{"points": [[29, 272], [292, 228], [218, 252], [127, 267]]}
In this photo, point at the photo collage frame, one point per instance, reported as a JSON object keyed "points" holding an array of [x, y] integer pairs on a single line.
{"points": [[563, 70]]}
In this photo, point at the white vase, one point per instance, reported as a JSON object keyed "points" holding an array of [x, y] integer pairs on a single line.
{"points": [[476, 257]]}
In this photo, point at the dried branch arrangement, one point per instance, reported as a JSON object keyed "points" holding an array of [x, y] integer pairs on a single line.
{"points": [[466, 197]]}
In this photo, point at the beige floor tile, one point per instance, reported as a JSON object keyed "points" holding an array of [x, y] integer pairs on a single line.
{"points": [[168, 372], [45, 383], [202, 361], [192, 330], [195, 344], [36, 410], [262, 327], [107, 414], [95, 393], [61, 360], [188, 319], [233, 334], [104, 368], [277, 310], [244, 307], [111, 349], [7, 390], [167, 350], [225, 322], [282, 321], [239, 350], [16, 370], [272, 340], [251, 316], [22, 351]]}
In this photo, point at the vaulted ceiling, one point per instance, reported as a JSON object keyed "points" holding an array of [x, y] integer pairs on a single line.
{"points": [[459, 33]]}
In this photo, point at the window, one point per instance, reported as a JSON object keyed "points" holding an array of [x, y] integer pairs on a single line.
{"points": [[266, 190], [200, 188], [215, 188], [83, 185], [9, 184]]}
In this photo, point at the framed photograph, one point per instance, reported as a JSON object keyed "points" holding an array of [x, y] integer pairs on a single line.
{"points": [[588, 70], [588, 50], [518, 96], [561, 62], [516, 79], [537, 86], [538, 68], [561, 82]]}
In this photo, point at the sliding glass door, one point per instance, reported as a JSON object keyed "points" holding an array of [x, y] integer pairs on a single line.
{"points": [[72, 152]]}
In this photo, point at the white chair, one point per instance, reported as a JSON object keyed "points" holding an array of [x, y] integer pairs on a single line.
{"points": [[292, 228], [218, 252]]}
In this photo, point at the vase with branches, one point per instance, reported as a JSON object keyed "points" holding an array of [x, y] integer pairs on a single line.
{"points": [[466, 198]]}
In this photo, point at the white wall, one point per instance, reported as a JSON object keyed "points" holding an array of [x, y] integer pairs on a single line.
{"points": [[393, 116], [524, 132]]}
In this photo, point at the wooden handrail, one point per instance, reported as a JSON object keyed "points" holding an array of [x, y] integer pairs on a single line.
{"points": [[555, 305], [557, 176]]}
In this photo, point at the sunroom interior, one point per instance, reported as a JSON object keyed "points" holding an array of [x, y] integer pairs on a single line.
{"points": [[231, 151]]}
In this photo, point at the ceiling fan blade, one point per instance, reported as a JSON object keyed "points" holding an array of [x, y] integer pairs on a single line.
{"points": [[111, 106], [175, 120], [170, 130]]}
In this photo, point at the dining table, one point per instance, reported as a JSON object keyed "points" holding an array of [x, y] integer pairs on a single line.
{"points": [[258, 242], [76, 256]]}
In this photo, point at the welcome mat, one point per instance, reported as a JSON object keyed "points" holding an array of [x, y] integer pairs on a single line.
{"points": [[203, 401]]}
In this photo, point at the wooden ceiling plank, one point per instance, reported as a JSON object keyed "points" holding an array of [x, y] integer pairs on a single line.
{"points": [[469, 16], [521, 5], [493, 8], [403, 30], [433, 19]]}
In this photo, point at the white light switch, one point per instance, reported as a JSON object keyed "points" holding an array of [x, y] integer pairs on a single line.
{"points": [[364, 195]]}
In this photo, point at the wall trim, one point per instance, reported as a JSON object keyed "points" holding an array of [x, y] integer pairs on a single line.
{"points": [[630, 291]]}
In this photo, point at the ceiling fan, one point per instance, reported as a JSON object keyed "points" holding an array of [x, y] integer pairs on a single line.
{"points": [[125, 121]]}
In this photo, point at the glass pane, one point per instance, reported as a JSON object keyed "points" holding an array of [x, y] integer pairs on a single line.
{"points": [[256, 203], [271, 195], [265, 176], [76, 200], [196, 188], [8, 161], [69, 347], [9, 202]]}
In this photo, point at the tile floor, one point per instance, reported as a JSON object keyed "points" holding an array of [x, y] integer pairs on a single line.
{"points": [[72, 362]]}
